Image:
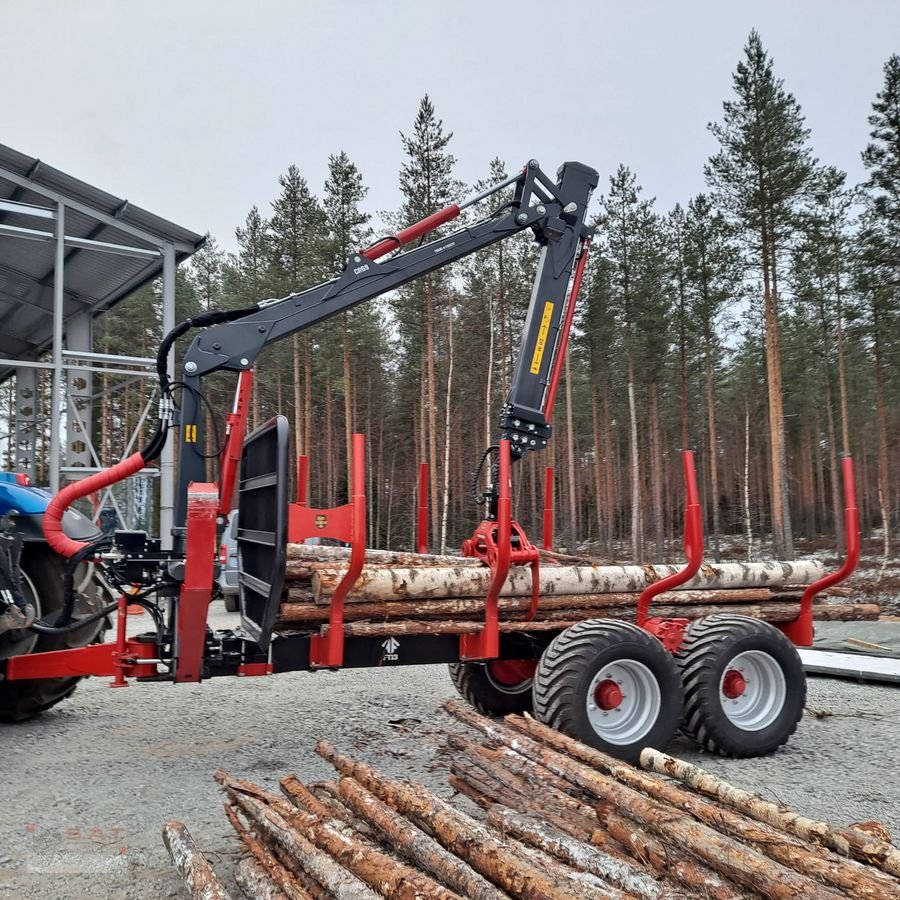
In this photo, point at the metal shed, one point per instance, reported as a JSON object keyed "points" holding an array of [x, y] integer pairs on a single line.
{"points": [[69, 252]]}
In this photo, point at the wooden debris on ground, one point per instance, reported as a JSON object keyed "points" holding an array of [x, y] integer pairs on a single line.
{"points": [[423, 594], [549, 819]]}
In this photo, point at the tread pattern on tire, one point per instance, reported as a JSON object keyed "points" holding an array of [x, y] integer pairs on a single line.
{"points": [[697, 657], [560, 668], [471, 682], [22, 700]]}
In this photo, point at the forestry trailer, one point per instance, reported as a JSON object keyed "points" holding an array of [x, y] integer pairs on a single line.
{"points": [[734, 683]]}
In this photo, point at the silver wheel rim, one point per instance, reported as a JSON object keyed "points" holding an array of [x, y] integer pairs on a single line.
{"points": [[639, 708], [764, 690]]}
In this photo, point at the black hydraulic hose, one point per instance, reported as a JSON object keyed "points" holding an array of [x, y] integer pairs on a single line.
{"points": [[477, 495], [44, 628]]}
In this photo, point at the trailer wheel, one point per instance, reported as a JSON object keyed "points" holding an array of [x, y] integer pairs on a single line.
{"points": [[497, 687], [232, 603], [42, 582], [611, 685], [744, 686]]}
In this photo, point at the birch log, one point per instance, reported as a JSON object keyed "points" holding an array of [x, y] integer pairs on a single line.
{"points": [[195, 870], [846, 841], [422, 582]]}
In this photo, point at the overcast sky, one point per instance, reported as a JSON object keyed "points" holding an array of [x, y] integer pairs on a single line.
{"points": [[192, 109]]}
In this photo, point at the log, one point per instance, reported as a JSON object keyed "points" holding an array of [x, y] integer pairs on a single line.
{"points": [[328, 793], [810, 860], [845, 841], [383, 584], [388, 876], [255, 882], [456, 831], [697, 877], [304, 610], [281, 879], [303, 798], [333, 877], [318, 554], [417, 846], [580, 855], [567, 811], [193, 867], [579, 825], [737, 862]]}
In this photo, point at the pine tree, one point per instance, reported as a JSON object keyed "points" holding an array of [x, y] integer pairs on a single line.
{"points": [[759, 174], [712, 272], [347, 231], [427, 184]]}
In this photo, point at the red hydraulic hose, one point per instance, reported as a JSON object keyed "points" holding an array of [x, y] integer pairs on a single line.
{"points": [[53, 529]]}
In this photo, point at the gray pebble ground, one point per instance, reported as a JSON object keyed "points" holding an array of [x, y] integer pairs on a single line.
{"points": [[89, 785]]}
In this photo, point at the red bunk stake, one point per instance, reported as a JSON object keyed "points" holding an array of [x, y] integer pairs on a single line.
{"points": [[801, 630], [422, 511], [346, 523], [548, 508], [671, 631]]}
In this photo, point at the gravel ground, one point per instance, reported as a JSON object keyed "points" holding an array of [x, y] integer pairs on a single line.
{"points": [[90, 784]]}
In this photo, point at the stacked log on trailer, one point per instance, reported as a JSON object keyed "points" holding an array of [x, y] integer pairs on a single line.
{"points": [[536, 815], [411, 593]]}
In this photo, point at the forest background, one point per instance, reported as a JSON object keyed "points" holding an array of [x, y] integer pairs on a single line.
{"points": [[756, 323]]}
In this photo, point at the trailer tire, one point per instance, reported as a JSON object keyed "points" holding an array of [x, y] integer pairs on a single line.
{"points": [[43, 585], [611, 685], [232, 603], [744, 686], [493, 690]]}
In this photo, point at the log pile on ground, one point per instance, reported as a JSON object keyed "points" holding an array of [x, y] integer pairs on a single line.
{"points": [[551, 819], [412, 593]]}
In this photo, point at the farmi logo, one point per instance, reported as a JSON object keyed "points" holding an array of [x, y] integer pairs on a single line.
{"points": [[391, 646]]}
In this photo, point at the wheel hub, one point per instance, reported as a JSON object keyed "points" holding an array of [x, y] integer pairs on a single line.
{"points": [[608, 695], [623, 702], [753, 690], [733, 684]]}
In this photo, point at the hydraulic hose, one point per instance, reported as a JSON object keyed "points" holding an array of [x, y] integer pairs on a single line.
{"points": [[53, 528]]}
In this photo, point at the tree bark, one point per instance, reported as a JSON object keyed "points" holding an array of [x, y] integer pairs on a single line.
{"points": [[193, 867], [256, 883], [740, 863], [417, 846], [845, 841], [387, 584], [456, 831]]}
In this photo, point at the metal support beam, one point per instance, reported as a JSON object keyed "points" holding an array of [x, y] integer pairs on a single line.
{"points": [[56, 353], [79, 388], [79, 243], [24, 454], [167, 460]]}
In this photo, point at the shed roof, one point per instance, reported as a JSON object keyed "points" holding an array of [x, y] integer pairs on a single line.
{"points": [[93, 279]]}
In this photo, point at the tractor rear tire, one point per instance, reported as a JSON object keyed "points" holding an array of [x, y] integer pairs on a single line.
{"points": [[493, 688], [43, 587], [744, 686], [611, 685]]}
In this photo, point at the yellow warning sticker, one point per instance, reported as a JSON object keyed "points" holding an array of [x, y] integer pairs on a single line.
{"points": [[541, 339], [190, 434]]}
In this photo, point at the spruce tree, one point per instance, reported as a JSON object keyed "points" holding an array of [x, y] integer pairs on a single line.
{"points": [[760, 173]]}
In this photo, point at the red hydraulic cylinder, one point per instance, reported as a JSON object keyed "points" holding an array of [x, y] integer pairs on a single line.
{"points": [[422, 511], [548, 508], [405, 235]]}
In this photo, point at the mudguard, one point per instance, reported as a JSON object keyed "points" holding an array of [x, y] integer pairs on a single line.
{"points": [[29, 504]]}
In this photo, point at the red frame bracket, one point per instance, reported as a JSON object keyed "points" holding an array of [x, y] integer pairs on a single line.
{"points": [[199, 574], [422, 510], [95, 659], [345, 523], [492, 543], [801, 631]]}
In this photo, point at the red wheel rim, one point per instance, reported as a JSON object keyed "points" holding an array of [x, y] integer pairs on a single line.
{"points": [[511, 671]]}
